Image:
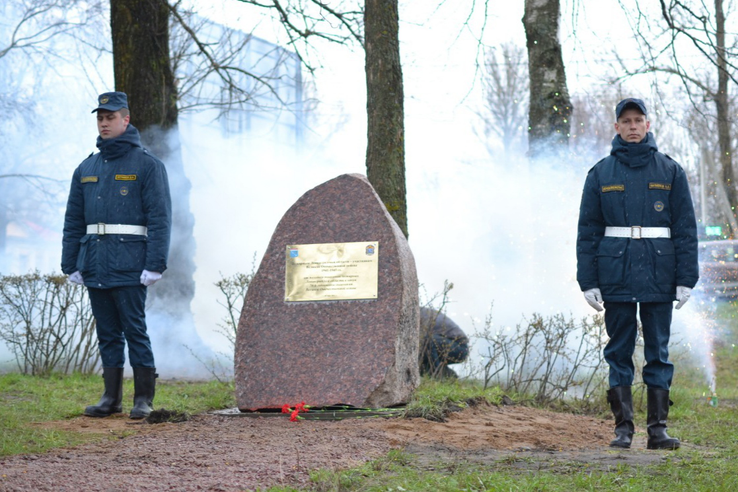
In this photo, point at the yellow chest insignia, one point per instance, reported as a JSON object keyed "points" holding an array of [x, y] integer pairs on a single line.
{"points": [[659, 186], [125, 177], [89, 179], [611, 188]]}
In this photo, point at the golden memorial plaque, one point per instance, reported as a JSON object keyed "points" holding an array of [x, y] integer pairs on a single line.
{"points": [[331, 271]]}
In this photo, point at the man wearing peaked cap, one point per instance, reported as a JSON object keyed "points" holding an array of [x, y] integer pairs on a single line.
{"points": [[637, 254], [117, 229], [111, 101], [630, 103]]}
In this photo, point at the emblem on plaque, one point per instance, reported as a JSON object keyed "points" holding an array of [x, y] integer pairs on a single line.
{"points": [[370, 250]]}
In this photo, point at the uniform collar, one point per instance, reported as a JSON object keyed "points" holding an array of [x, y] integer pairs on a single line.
{"points": [[634, 154], [113, 148]]}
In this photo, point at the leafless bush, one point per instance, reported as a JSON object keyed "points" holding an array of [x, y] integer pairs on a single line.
{"points": [[47, 324], [234, 290], [550, 358]]}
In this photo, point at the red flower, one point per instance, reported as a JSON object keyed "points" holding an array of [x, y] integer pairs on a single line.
{"points": [[301, 407], [293, 416], [286, 408]]}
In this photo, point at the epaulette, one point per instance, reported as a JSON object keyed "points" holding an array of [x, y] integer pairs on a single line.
{"points": [[91, 154], [592, 168], [674, 161]]}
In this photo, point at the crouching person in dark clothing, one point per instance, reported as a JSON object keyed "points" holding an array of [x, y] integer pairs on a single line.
{"points": [[442, 342], [116, 241]]}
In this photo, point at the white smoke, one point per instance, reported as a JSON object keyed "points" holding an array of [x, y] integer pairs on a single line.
{"points": [[501, 229], [695, 328]]}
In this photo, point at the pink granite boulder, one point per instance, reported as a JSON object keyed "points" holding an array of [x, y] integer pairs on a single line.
{"points": [[362, 353]]}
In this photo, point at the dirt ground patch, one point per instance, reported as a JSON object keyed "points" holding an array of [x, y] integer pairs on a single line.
{"points": [[230, 453]]}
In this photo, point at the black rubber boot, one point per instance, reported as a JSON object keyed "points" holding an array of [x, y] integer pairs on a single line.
{"points": [[110, 402], [658, 410], [621, 404], [144, 383]]}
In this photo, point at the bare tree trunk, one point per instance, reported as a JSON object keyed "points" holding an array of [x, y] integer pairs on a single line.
{"points": [[722, 103], [141, 60], [550, 107], [143, 70], [505, 86], [385, 152], [724, 211]]}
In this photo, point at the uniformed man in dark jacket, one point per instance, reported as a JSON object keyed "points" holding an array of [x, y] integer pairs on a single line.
{"points": [[442, 342], [116, 242], [637, 249]]}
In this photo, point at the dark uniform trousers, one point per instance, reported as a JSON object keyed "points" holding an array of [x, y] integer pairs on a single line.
{"points": [[622, 328], [120, 317]]}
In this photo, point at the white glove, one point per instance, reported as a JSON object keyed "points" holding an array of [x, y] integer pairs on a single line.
{"points": [[683, 294], [594, 298], [149, 278], [76, 278]]}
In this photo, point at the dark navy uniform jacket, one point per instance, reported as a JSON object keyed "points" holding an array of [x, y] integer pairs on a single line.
{"points": [[636, 186], [122, 184]]}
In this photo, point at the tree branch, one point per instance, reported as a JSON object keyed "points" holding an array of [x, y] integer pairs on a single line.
{"points": [[221, 70]]}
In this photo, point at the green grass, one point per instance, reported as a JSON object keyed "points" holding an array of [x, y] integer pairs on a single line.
{"points": [[705, 463], [709, 467], [386, 475], [399, 473], [25, 400], [434, 399]]}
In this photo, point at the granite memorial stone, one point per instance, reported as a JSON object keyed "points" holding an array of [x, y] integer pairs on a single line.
{"points": [[359, 352]]}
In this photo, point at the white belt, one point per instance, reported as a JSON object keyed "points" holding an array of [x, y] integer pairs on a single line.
{"points": [[102, 229], [638, 232]]}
